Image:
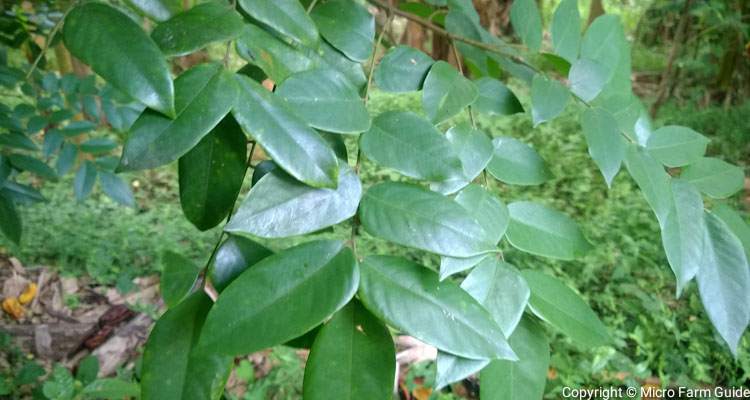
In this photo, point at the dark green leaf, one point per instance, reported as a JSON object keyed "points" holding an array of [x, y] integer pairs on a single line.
{"points": [[396, 137], [52, 142], [178, 276], [527, 22], [287, 17], [347, 26], [21, 194], [276, 58], [87, 369], [325, 100], [516, 163], [84, 180], [211, 174], [683, 232], [5, 170], [353, 357], [295, 147], [474, 149], [606, 146], [234, 256], [66, 158], [195, 28], [279, 206], [412, 299], [676, 146], [715, 177], [119, 51], [489, 211], [454, 265], [159, 10], [172, 369], [546, 232], [117, 189], [402, 69], [412, 216], [10, 222], [446, 92], [98, 145], [562, 308], [525, 378], [724, 282], [280, 298], [204, 95], [33, 165], [566, 30], [548, 99], [17, 140], [111, 388], [262, 169], [495, 98]]}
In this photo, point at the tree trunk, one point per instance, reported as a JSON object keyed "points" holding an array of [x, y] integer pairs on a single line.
{"points": [[414, 35], [666, 78], [595, 10]]}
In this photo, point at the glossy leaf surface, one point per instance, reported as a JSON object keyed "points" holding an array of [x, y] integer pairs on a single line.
{"points": [[546, 232], [197, 27], [516, 163], [446, 92]]}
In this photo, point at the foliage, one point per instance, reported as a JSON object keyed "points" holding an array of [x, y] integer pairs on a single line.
{"points": [[299, 287]]}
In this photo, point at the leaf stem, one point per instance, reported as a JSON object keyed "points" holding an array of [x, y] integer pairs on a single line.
{"points": [[460, 66], [48, 40], [312, 4]]}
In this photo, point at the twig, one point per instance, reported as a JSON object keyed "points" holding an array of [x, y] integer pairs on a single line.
{"points": [[429, 25], [48, 40], [460, 66]]}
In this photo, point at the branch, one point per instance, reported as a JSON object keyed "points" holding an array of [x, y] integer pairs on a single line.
{"points": [[429, 25]]}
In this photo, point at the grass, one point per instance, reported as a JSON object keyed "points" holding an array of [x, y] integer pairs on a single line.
{"points": [[626, 278]]}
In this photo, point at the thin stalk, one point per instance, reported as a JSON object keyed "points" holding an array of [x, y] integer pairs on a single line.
{"points": [[312, 4], [48, 40], [460, 66]]}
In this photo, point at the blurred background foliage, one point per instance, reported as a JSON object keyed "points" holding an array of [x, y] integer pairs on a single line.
{"points": [[691, 64]]}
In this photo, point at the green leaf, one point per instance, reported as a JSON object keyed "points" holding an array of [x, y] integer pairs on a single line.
{"points": [[117, 189], [501, 290], [715, 177], [562, 308], [516, 163], [489, 211], [347, 26], [605, 42], [87, 369], [587, 78], [651, 178], [21, 194], [394, 139], [204, 95], [66, 158], [158, 10], [353, 357], [724, 282], [98, 145], [10, 222], [262, 169], [454, 265], [474, 149], [402, 69], [191, 30], [446, 92], [60, 385], [546, 232], [683, 232], [119, 51], [495, 98], [234, 256], [287, 17], [527, 22], [18, 140], [409, 215], [178, 276], [525, 378], [735, 223], [566, 30], [451, 368], [211, 174], [295, 147], [676, 146], [276, 58], [351, 69], [606, 146], [325, 100], [5, 169], [411, 298], [548, 99], [111, 388], [84, 180], [27, 163], [280, 298], [279, 206], [52, 142], [172, 368]]}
